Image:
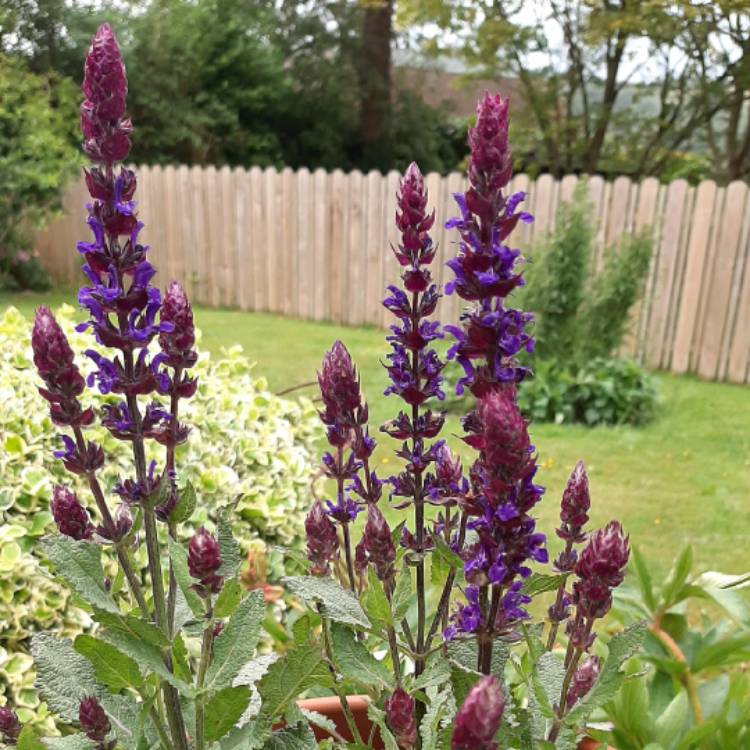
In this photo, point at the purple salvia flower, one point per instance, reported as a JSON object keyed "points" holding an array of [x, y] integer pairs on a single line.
{"points": [[478, 719], [378, 544], [583, 680], [177, 344], [399, 713], [93, 720], [204, 560], [10, 726], [322, 540], [70, 516], [574, 508]]}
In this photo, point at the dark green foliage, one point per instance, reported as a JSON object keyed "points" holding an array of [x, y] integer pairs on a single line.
{"points": [[36, 158], [604, 313], [600, 391], [557, 276]]}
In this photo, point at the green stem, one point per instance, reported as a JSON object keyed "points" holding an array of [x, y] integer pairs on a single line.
{"points": [[206, 648], [160, 728]]}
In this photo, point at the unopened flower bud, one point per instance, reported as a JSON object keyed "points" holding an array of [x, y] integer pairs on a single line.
{"points": [[204, 559], [94, 722], [575, 505], [478, 719], [399, 713], [583, 680], [70, 516], [339, 384], [378, 543], [322, 540], [178, 343], [10, 726]]}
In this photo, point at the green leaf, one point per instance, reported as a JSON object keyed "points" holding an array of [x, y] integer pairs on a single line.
{"points": [[71, 742], [722, 653], [112, 668], [621, 647], [541, 583], [230, 550], [336, 603], [236, 642], [185, 581], [28, 739], [547, 680], [149, 658], [677, 576], [437, 714], [375, 602], [673, 721], [224, 710], [132, 626], [438, 673], [185, 506], [63, 677], [402, 594], [298, 737], [377, 717], [228, 599], [355, 662], [180, 660], [79, 564], [644, 580]]}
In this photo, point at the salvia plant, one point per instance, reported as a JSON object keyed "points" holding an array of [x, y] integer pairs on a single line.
{"points": [[430, 619]]}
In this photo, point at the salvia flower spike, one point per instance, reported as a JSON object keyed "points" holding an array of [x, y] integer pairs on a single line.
{"points": [[322, 540], [583, 680], [70, 516], [204, 560], [10, 726], [478, 719], [93, 720], [399, 713]]}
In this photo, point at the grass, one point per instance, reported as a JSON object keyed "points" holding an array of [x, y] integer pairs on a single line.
{"points": [[683, 479]]}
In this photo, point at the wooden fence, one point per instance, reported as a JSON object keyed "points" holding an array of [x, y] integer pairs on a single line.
{"points": [[316, 245]]}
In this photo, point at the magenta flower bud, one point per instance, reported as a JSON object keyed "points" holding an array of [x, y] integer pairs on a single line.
{"points": [[490, 163], [575, 505], [94, 722], [339, 384], [105, 87], [600, 569], [70, 516], [55, 364], [504, 439], [204, 559], [583, 680], [378, 544], [478, 719], [10, 726], [322, 540], [399, 713], [177, 343], [412, 220]]}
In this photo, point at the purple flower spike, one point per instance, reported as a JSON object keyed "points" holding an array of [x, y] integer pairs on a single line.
{"points": [[204, 560], [575, 505], [600, 569], [10, 726], [378, 544], [399, 713], [478, 719], [94, 722], [55, 364], [583, 680], [69, 514], [177, 344], [322, 540], [339, 385]]}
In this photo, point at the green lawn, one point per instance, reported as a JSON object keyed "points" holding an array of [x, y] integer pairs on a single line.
{"points": [[683, 479]]}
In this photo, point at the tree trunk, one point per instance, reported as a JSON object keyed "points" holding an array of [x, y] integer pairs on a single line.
{"points": [[375, 76]]}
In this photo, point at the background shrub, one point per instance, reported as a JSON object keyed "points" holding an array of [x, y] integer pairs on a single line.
{"points": [[248, 449]]}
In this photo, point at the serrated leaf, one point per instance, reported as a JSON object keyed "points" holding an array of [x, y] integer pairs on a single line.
{"points": [[464, 654], [355, 662], [228, 599], [439, 711], [180, 660], [438, 673], [79, 564], [541, 583], [319, 720], [621, 647], [112, 668], [402, 594], [185, 581], [224, 710], [71, 742], [63, 677], [547, 680], [298, 737], [133, 626], [377, 717], [149, 658], [185, 506], [336, 603], [375, 602], [230, 550], [236, 642]]}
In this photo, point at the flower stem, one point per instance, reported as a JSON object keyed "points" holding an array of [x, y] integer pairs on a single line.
{"points": [[348, 553], [488, 642], [206, 648]]}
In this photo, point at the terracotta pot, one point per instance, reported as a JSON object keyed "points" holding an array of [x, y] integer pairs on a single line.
{"points": [[330, 707]]}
